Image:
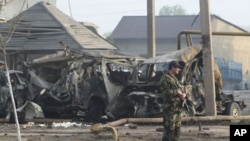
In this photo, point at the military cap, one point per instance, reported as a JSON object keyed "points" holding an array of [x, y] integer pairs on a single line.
{"points": [[174, 64]]}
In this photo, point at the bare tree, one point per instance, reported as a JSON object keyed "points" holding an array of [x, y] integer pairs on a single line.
{"points": [[3, 44]]}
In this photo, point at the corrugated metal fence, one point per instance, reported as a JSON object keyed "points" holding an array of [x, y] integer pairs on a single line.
{"points": [[229, 69]]}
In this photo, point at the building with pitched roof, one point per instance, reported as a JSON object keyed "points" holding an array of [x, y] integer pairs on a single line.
{"points": [[38, 31], [130, 36]]}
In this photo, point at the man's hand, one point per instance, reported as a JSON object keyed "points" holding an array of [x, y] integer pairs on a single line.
{"points": [[181, 94]]}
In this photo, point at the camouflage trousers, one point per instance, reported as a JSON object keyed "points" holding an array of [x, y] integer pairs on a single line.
{"points": [[172, 126]]}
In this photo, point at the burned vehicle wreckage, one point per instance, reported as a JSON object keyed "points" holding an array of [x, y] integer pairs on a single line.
{"points": [[141, 97], [19, 89], [90, 84], [77, 83]]}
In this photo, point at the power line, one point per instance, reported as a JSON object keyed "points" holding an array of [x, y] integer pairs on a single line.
{"points": [[70, 9]]}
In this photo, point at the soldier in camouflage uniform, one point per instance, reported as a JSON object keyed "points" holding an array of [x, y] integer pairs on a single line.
{"points": [[172, 102]]}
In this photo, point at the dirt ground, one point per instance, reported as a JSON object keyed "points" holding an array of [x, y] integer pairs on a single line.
{"points": [[81, 132]]}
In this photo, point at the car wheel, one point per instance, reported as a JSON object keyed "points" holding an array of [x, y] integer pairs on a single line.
{"points": [[140, 112], [95, 111], [8, 107], [233, 109]]}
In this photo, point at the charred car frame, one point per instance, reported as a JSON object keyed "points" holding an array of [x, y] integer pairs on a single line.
{"points": [[77, 83], [142, 96]]}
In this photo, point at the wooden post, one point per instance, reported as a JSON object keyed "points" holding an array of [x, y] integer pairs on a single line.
{"points": [[208, 59], [151, 27]]}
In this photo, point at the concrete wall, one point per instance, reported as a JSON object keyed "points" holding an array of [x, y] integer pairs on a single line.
{"points": [[139, 46], [235, 48]]}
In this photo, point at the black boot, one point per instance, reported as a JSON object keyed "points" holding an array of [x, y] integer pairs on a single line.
{"points": [[165, 138]]}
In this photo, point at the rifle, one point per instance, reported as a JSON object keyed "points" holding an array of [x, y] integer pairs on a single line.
{"points": [[184, 102]]}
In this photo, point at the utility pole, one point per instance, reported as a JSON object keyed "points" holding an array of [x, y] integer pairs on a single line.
{"points": [[208, 58], [151, 27]]}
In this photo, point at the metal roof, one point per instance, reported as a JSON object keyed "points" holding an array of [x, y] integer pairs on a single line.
{"points": [[135, 27], [43, 26]]}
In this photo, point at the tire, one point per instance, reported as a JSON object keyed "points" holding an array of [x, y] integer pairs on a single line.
{"points": [[95, 111], [233, 109], [140, 112], [9, 105]]}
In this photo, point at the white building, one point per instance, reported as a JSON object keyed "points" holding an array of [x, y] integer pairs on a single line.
{"points": [[11, 8]]}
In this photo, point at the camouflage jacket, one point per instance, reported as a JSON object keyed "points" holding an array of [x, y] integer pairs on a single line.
{"points": [[170, 85]]}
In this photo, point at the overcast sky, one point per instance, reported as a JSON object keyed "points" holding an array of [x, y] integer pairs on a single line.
{"points": [[106, 14]]}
